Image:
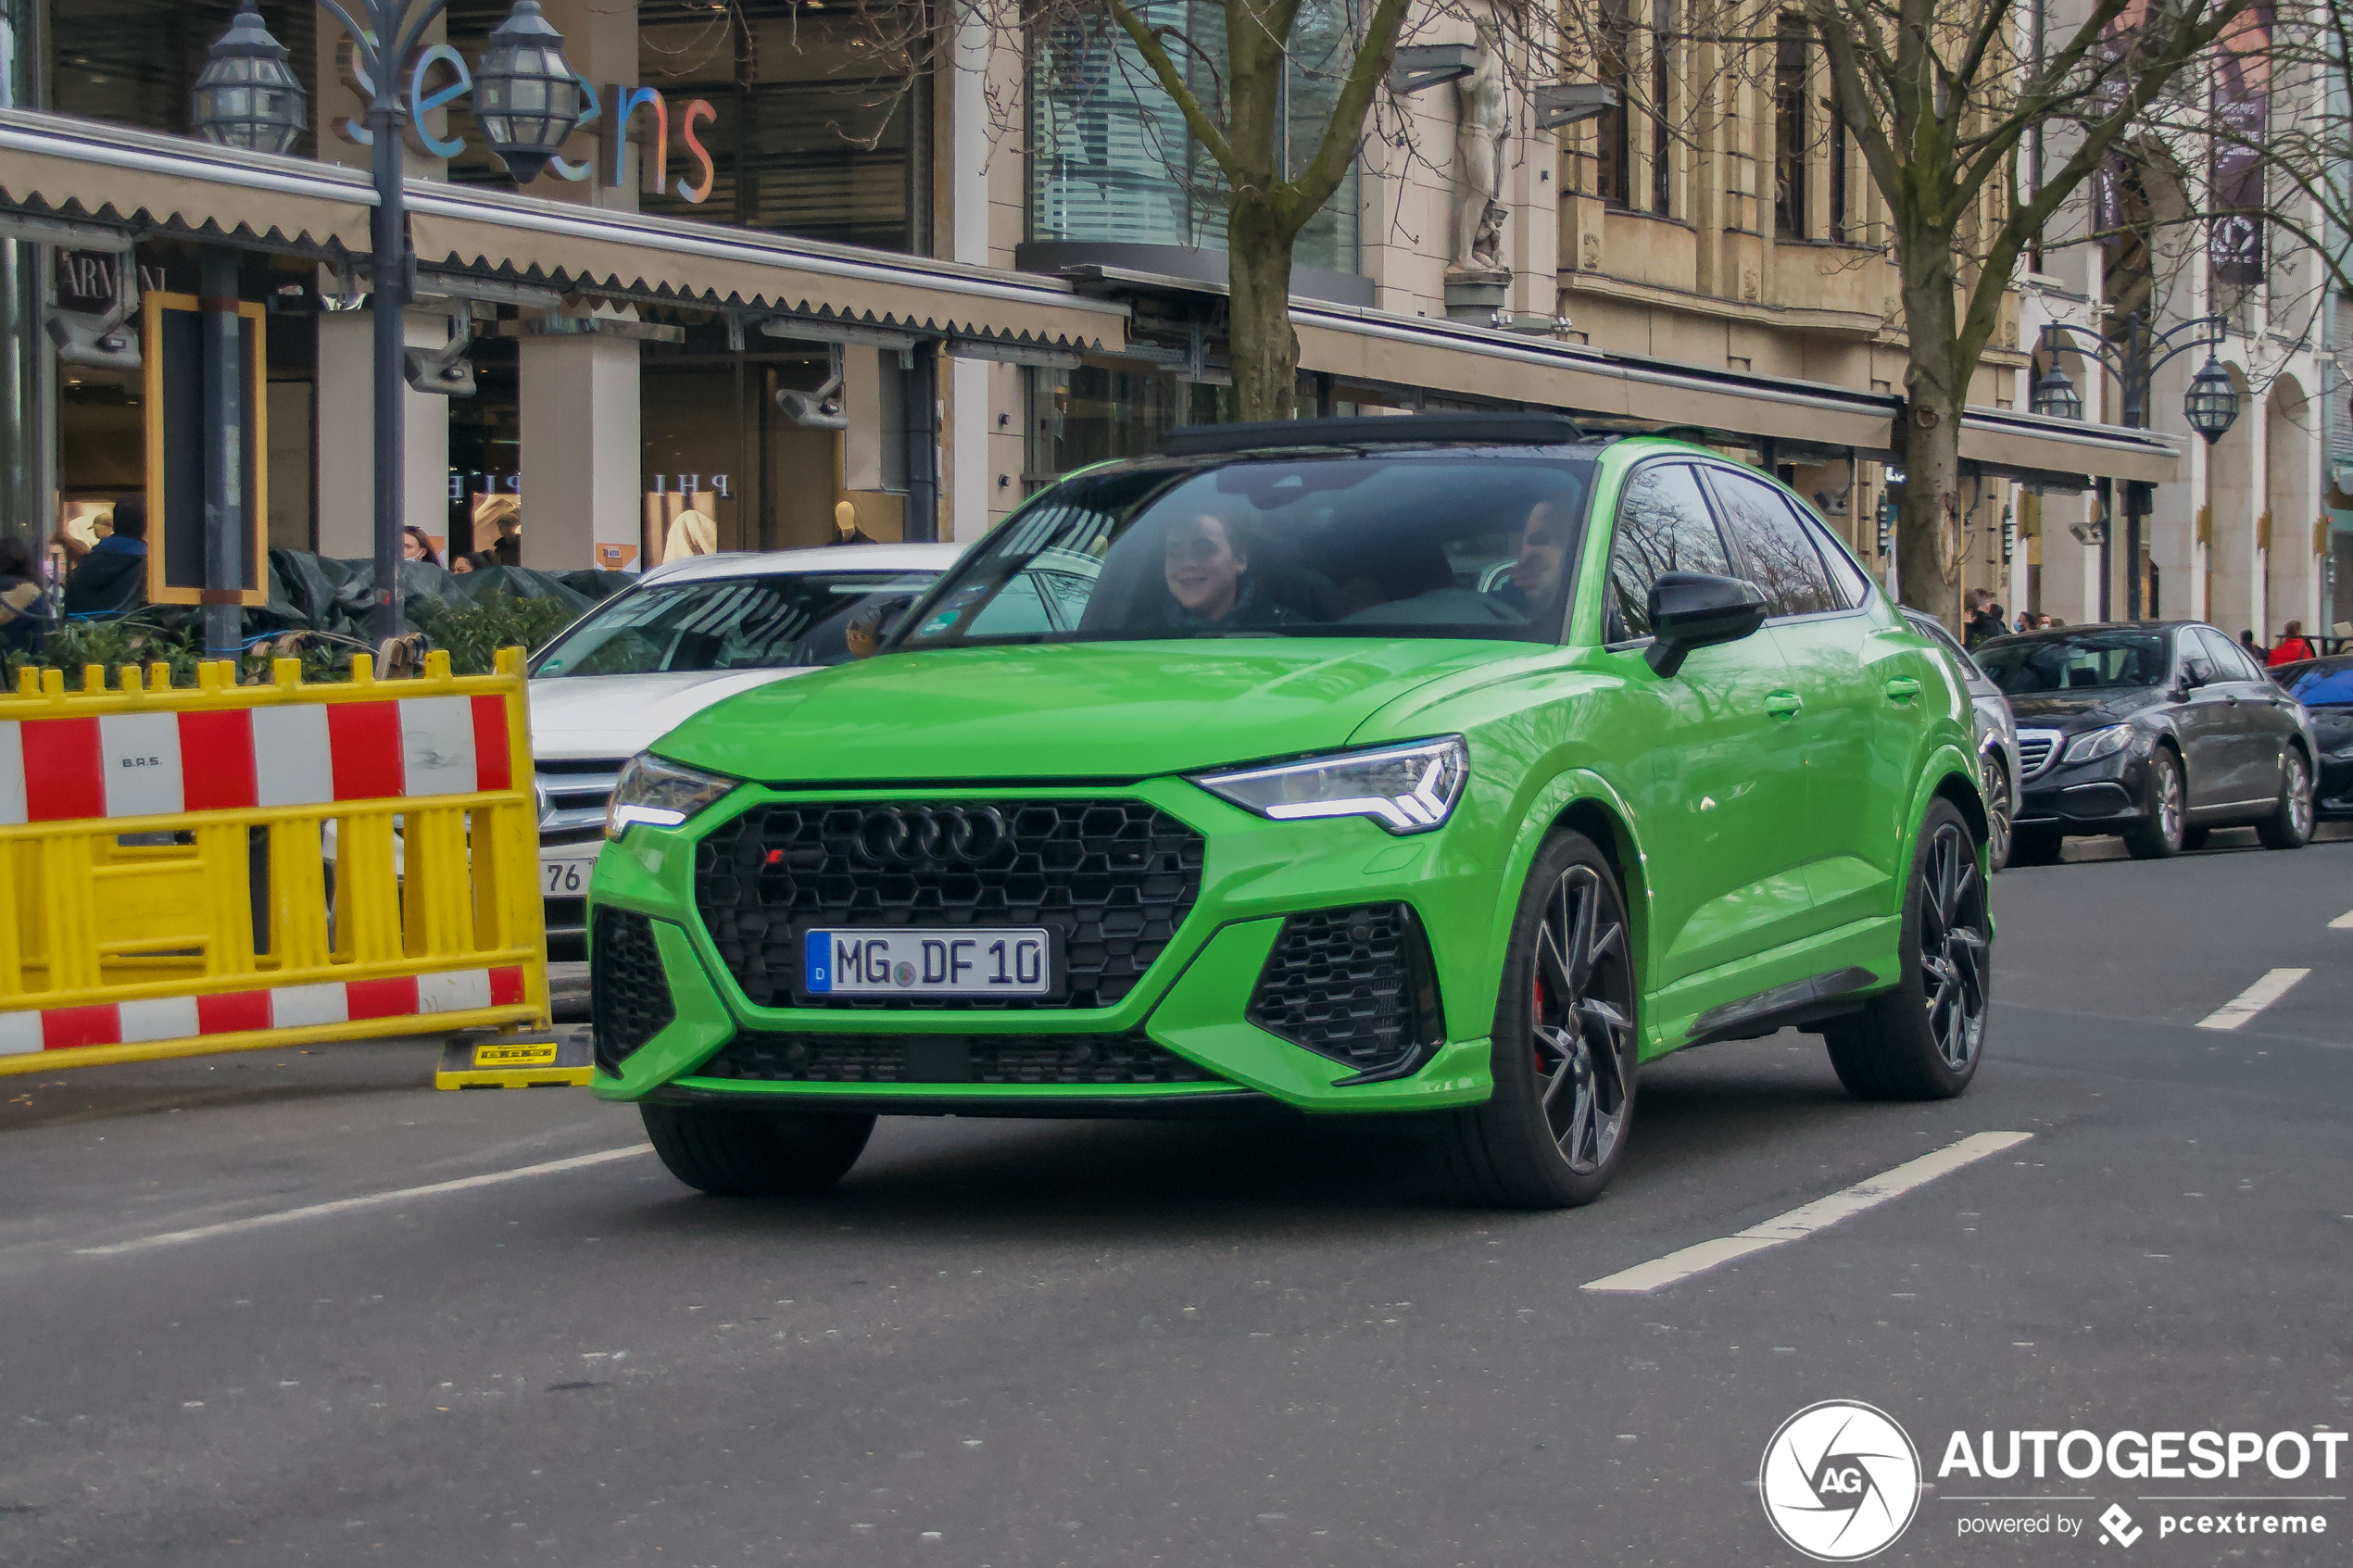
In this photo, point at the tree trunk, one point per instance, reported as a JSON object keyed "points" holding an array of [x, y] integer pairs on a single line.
{"points": [[1259, 334], [1927, 530]]}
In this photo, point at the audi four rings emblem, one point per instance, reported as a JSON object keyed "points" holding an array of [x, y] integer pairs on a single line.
{"points": [[904, 835]]}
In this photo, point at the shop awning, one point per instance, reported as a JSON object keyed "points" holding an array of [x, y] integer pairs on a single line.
{"points": [[527, 239], [81, 167], [2031, 446], [57, 165]]}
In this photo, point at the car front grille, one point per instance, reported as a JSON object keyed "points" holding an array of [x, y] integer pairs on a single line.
{"points": [[628, 995], [1112, 879], [2036, 750], [574, 794], [1353, 984], [1132, 1057]]}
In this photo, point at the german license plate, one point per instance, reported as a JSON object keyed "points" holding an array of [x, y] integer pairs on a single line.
{"points": [[564, 870], [891, 962]]}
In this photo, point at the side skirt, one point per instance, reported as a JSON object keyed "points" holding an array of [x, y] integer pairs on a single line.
{"points": [[1812, 1000]]}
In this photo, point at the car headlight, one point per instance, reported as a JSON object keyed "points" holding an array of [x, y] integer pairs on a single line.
{"points": [[660, 794], [2095, 744], [1405, 788]]}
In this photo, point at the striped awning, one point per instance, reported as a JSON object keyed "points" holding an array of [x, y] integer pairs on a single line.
{"points": [[57, 165]]}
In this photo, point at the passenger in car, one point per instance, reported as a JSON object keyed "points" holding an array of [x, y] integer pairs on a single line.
{"points": [[1207, 571]]}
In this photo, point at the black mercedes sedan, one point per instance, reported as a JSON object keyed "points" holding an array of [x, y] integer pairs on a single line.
{"points": [[2157, 731], [2325, 688]]}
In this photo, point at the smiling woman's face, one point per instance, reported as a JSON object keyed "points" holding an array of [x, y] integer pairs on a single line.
{"points": [[1204, 571]]}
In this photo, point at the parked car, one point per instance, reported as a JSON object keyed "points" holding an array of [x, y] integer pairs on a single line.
{"points": [[1313, 807], [1996, 737], [686, 636], [2156, 731], [2325, 688]]}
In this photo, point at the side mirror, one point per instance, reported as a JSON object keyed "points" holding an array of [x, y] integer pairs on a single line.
{"points": [[1692, 609], [2194, 676]]}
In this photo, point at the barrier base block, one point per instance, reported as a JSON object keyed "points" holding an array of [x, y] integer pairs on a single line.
{"points": [[524, 1060]]}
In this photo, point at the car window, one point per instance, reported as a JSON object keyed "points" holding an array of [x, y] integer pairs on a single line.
{"points": [[1848, 583], [1933, 630], [2077, 661], [1448, 545], [721, 624], [2234, 661], [1663, 525], [1776, 553], [2203, 645]]}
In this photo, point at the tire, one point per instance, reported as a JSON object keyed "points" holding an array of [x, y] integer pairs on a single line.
{"points": [[1565, 1040], [2158, 836], [2036, 846], [732, 1153], [1924, 1038], [2290, 825], [2001, 811]]}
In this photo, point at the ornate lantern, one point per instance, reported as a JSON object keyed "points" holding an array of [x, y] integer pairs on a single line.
{"points": [[2211, 405], [247, 96], [526, 95], [2055, 395]]}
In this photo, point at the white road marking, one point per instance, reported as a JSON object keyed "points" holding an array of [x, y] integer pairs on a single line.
{"points": [[1807, 1219], [372, 1200], [2252, 1000], [2343, 922]]}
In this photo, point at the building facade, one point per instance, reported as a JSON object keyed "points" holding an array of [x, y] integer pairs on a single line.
{"points": [[796, 263]]}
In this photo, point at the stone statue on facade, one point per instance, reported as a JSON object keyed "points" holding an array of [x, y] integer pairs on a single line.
{"points": [[1481, 127]]}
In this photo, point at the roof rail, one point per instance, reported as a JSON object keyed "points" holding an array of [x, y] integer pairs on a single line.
{"points": [[1382, 430]]}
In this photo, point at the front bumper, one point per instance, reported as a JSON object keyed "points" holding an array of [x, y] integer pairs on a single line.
{"points": [[2106, 795], [2334, 798], [1191, 1002]]}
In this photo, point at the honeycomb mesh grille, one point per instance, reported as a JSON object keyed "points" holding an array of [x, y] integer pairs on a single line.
{"points": [[1352, 985], [628, 995], [952, 1058], [1114, 879]]}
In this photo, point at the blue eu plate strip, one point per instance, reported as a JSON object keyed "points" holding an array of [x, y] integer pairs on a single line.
{"points": [[818, 958]]}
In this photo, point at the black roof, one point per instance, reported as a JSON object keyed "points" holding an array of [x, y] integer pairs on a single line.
{"points": [[1383, 429]]}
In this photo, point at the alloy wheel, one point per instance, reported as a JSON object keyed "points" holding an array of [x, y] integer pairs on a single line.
{"points": [[2299, 793], [2168, 801], [1999, 810], [1955, 946], [1581, 1019]]}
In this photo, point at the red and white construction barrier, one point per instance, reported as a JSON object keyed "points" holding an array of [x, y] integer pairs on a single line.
{"points": [[296, 754], [237, 1013]]}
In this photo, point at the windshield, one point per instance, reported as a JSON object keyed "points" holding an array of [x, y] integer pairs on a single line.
{"points": [[1389, 546], [724, 623], [2028, 666], [2324, 683]]}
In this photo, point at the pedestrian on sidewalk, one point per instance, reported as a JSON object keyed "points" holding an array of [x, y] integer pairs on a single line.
{"points": [[25, 611], [1984, 619], [2293, 646], [2261, 654], [113, 576]]}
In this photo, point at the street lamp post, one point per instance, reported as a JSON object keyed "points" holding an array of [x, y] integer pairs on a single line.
{"points": [[2211, 404], [528, 100]]}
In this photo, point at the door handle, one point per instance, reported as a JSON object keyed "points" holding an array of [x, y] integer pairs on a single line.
{"points": [[1903, 688], [1783, 705]]}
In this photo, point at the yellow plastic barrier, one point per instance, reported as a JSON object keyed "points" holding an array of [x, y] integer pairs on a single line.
{"points": [[221, 868]]}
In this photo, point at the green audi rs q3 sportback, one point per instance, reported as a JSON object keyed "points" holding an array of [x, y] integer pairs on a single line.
{"points": [[1453, 764]]}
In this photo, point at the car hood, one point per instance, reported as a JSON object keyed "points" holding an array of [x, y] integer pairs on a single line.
{"points": [[2062, 711], [1100, 710], [2333, 727], [600, 716]]}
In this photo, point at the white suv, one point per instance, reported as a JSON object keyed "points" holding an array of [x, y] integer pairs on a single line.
{"points": [[685, 636]]}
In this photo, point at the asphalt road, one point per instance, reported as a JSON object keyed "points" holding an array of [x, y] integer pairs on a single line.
{"points": [[1030, 1343]]}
